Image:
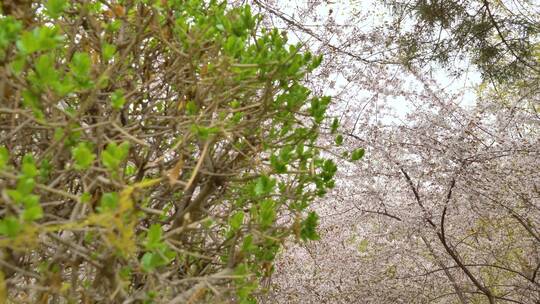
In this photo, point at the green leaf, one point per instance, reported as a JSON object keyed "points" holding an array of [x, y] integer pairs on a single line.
{"points": [[86, 197], [357, 154], [318, 108], [278, 165], [58, 134], [48, 37], [28, 44], [126, 273], [153, 237], [9, 30], [45, 69], [109, 160], [264, 185], [10, 226], [329, 169], [80, 64], [18, 64], [31, 101], [247, 244], [108, 51], [4, 157], [236, 221], [191, 108], [25, 185], [40, 39], [15, 195], [108, 202], [267, 213], [114, 155], [334, 126], [117, 99], [339, 140], [73, 137], [30, 200], [114, 26], [32, 213], [45, 168], [130, 170], [309, 227], [317, 60], [55, 7], [244, 287], [80, 68], [204, 132], [83, 155], [29, 166], [123, 150], [149, 261]]}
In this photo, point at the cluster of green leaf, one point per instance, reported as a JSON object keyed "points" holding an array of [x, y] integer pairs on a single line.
{"points": [[23, 199]]}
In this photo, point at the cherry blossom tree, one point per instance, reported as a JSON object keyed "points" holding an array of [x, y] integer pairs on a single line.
{"points": [[445, 206]]}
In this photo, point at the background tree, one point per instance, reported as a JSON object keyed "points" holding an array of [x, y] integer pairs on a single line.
{"points": [[436, 148], [500, 37]]}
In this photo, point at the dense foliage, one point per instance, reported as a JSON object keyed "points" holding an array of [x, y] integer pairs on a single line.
{"points": [[151, 151]]}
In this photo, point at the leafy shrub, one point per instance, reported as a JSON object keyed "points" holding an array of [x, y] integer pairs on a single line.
{"points": [[151, 151]]}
